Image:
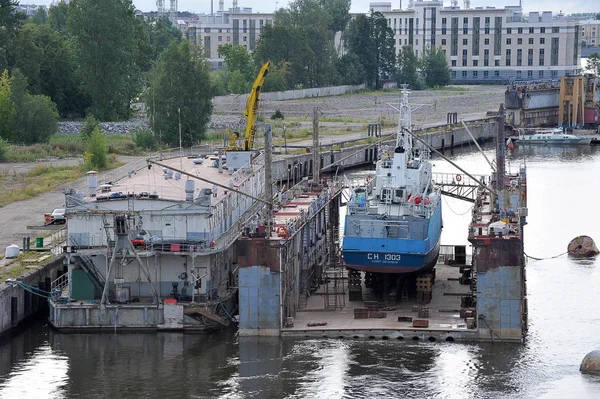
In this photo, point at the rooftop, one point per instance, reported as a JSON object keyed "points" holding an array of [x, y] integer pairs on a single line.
{"points": [[164, 183]]}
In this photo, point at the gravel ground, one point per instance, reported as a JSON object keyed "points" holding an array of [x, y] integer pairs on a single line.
{"points": [[470, 103]]}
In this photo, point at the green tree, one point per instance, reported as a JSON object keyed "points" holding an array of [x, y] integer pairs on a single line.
{"points": [[339, 13], [58, 15], [237, 59], [40, 17], [144, 49], [286, 44], [89, 125], [236, 82], [7, 107], [372, 40], [162, 33], [277, 78], [10, 22], [218, 82], [593, 63], [385, 45], [407, 71], [435, 68], [96, 154], [36, 117], [361, 47], [104, 43], [43, 55], [313, 23], [145, 139], [180, 91], [351, 69]]}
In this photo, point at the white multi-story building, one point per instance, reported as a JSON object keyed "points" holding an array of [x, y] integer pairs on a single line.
{"points": [[488, 44], [237, 26]]}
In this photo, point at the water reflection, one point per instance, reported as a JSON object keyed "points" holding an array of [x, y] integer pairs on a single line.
{"points": [[563, 326]]}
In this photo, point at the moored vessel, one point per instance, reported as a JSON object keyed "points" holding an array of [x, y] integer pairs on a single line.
{"points": [[394, 217]]}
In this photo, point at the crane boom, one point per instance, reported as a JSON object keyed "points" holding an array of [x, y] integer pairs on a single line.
{"points": [[252, 107]]}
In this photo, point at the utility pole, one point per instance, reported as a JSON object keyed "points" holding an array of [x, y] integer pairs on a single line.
{"points": [[316, 164], [268, 179], [284, 138], [180, 147]]}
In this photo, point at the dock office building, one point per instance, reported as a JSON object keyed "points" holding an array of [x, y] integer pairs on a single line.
{"points": [[488, 44]]}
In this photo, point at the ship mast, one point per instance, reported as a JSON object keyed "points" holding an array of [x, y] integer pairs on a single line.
{"points": [[404, 124]]}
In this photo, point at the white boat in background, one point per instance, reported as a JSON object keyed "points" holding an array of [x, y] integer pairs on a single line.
{"points": [[548, 136]]}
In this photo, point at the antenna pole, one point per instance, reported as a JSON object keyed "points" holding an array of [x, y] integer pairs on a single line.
{"points": [[180, 147]]}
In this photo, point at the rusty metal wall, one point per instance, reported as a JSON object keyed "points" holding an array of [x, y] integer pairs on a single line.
{"points": [[500, 295]]}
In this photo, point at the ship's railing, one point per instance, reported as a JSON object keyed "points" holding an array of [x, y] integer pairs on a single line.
{"points": [[372, 228], [458, 179]]}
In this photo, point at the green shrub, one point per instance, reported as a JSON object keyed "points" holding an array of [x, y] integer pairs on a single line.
{"points": [[95, 156], [277, 114], [144, 138], [89, 125], [3, 149]]}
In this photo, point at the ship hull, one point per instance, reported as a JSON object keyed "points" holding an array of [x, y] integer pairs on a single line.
{"points": [[388, 255], [395, 263]]}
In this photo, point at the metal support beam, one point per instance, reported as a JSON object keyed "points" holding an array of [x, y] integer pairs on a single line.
{"points": [[315, 146], [478, 146]]}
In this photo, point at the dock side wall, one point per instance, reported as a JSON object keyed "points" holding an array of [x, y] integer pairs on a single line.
{"points": [[293, 168], [500, 296], [16, 304], [259, 293], [83, 316]]}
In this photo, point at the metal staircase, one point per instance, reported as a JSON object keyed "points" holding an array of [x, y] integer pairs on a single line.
{"points": [[86, 264]]}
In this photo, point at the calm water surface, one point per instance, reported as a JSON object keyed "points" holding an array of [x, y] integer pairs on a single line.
{"points": [[564, 321]]}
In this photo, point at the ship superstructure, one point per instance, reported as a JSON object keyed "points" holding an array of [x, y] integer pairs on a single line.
{"points": [[394, 218]]}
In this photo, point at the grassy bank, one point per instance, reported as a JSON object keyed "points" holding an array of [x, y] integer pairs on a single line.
{"points": [[39, 180], [67, 146]]}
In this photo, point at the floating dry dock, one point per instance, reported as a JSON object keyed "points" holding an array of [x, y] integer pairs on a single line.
{"points": [[297, 285]]}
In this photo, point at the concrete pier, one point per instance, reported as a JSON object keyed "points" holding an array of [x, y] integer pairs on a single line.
{"points": [[16, 304]]}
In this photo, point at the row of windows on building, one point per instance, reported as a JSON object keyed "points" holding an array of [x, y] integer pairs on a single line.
{"points": [[228, 40], [261, 25], [541, 60], [486, 42], [408, 22], [519, 74]]}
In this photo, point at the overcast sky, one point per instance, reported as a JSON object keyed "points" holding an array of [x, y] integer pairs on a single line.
{"points": [[199, 6]]}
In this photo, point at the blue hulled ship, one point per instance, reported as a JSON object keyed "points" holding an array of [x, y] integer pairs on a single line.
{"points": [[394, 217]]}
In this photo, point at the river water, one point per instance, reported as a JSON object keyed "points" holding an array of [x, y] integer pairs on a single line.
{"points": [[564, 322]]}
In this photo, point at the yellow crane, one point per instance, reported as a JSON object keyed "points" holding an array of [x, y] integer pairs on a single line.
{"points": [[250, 112]]}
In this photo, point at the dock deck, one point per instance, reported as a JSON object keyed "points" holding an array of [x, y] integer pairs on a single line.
{"points": [[444, 318]]}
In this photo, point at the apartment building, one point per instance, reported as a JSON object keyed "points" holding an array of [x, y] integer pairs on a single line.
{"points": [[487, 43], [590, 32], [237, 26]]}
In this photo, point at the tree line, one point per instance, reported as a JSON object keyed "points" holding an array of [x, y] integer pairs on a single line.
{"points": [[95, 58], [315, 43]]}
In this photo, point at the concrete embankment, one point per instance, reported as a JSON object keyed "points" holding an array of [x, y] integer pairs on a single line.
{"points": [[296, 167], [17, 304]]}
